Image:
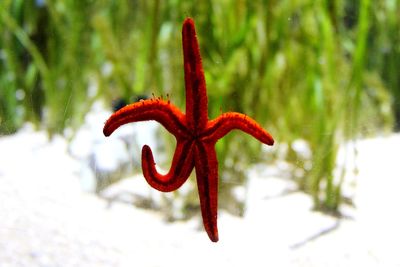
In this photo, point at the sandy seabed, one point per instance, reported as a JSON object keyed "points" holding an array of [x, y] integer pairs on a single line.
{"points": [[46, 219]]}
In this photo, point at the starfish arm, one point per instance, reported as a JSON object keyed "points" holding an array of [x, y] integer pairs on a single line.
{"points": [[153, 109], [195, 84], [229, 121], [182, 166], [206, 166]]}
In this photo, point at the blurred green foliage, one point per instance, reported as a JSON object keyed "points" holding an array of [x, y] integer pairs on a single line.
{"points": [[321, 71]]}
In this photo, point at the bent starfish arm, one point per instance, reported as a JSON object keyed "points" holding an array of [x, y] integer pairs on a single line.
{"points": [[152, 109], [206, 165], [181, 167], [229, 121]]}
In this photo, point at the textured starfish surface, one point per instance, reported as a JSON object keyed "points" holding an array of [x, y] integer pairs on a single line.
{"points": [[195, 134]]}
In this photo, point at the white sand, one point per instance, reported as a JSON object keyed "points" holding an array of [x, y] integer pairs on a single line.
{"points": [[47, 220]]}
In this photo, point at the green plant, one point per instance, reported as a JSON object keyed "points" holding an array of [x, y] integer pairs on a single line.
{"points": [[321, 71]]}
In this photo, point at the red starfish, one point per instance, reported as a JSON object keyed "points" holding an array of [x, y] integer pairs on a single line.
{"points": [[195, 134]]}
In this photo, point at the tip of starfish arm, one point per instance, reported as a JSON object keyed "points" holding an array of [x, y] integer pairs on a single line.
{"points": [[271, 141], [214, 238], [106, 132], [107, 129], [189, 21]]}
